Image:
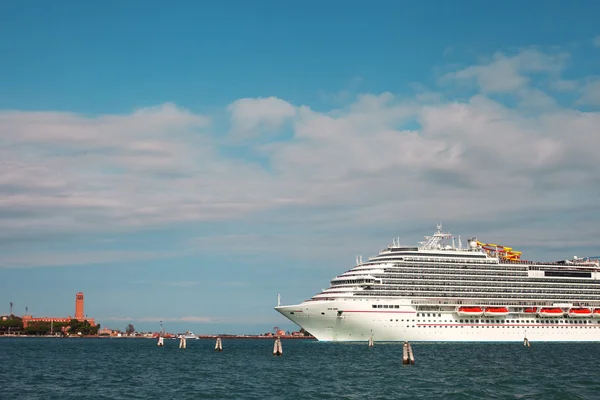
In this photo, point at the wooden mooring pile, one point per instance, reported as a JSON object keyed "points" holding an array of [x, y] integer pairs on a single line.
{"points": [[407, 354]]}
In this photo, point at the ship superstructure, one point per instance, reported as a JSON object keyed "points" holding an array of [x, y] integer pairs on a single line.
{"points": [[442, 291]]}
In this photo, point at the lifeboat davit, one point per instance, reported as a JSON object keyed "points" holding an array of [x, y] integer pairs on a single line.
{"points": [[530, 310], [550, 312], [580, 312], [596, 313], [470, 311], [496, 311]]}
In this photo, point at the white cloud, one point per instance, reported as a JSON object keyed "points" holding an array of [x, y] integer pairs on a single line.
{"points": [[182, 284], [64, 172], [564, 85], [72, 258], [535, 98], [590, 93], [504, 73], [250, 116]]}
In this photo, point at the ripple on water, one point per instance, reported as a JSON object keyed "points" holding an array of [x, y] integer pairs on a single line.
{"points": [[246, 369]]}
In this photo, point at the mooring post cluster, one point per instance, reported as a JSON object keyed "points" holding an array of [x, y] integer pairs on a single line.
{"points": [[182, 342], [407, 353], [277, 347]]}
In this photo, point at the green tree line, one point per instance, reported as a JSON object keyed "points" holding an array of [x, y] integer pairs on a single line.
{"points": [[13, 322], [84, 327], [45, 328]]}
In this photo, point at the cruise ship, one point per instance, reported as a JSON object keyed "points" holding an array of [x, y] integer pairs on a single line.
{"points": [[441, 290]]}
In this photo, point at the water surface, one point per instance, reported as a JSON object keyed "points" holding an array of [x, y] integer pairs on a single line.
{"points": [[42, 368]]}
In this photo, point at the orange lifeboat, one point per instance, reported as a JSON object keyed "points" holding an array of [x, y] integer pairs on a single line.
{"points": [[580, 312], [530, 310], [496, 311], [469, 311], [596, 313], [551, 312]]}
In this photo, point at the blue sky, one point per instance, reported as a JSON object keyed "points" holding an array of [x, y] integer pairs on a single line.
{"points": [[188, 161]]}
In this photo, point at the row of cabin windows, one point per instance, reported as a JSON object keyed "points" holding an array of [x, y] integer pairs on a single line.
{"points": [[452, 264], [459, 264], [517, 321], [479, 281], [496, 284], [472, 291], [491, 326], [489, 301], [351, 282], [565, 319], [421, 271], [513, 297], [451, 275], [445, 263], [449, 255], [385, 306]]}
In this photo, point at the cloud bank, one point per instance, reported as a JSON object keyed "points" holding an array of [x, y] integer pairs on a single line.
{"points": [[510, 148]]}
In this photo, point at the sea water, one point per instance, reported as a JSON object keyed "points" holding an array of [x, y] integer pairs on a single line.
{"points": [[43, 368]]}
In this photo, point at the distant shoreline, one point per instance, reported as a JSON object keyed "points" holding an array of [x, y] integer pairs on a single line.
{"points": [[200, 337]]}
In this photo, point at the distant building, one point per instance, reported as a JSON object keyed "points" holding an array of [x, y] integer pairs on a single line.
{"points": [[105, 331], [79, 315], [79, 306], [28, 319]]}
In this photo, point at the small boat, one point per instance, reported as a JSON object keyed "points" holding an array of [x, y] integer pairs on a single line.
{"points": [[188, 335], [469, 311], [550, 312], [530, 310], [496, 311], [580, 312], [596, 313]]}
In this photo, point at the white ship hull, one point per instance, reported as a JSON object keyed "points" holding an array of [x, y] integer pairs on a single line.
{"points": [[356, 320], [438, 291]]}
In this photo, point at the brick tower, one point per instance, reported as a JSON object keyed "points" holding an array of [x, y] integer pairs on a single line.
{"points": [[79, 307]]}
